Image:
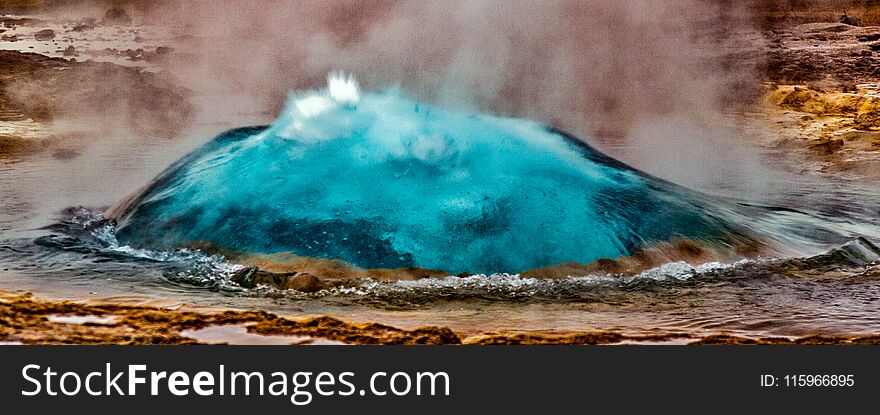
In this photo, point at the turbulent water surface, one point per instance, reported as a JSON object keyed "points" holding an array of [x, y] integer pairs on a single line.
{"points": [[533, 197], [381, 181]]}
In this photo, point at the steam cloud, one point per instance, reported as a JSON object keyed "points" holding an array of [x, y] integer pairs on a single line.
{"points": [[606, 71], [647, 81]]}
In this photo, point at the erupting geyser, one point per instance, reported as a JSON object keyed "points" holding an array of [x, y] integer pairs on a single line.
{"points": [[382, 181]]}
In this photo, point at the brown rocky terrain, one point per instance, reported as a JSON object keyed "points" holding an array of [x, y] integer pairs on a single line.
{"points": [[819, 63], [26, 319], [822, 95], [44, 89], [29, 320], [81, 84], [827, 55]]}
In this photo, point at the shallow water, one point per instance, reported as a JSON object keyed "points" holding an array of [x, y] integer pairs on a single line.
{"points": [[60, 252], [239, 335], [121, 45], [76, 319]]}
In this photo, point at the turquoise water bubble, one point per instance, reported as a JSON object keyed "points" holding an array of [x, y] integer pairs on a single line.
{"points": [[381, 181]]}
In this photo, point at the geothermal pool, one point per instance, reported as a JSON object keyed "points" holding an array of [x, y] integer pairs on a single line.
{"points": [[377, 180], [380, 181]]}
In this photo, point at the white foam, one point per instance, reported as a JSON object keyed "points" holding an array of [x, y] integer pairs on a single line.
{"points": [[312, 105], [343, 88]]}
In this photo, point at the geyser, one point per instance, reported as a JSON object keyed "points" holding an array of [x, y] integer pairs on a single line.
{"points": [[381, 181]]}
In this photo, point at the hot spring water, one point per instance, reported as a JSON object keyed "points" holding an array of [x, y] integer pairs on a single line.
{"points": [[381, 181]]}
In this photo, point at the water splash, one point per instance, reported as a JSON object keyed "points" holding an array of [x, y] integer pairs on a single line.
{"points": [[381, 181]]}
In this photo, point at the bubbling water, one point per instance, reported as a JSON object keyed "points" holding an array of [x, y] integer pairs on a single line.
{"points": [[381, 181]]}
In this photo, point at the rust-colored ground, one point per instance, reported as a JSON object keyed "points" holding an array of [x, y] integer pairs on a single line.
{"points": [[26, 319]]}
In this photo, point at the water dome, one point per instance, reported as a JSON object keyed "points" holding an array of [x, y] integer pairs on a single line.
{"points": [[382, 181]]}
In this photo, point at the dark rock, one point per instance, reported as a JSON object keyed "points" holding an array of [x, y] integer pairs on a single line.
{"points": [[785, 143], [12, 22], [858, 252], [302, 281], [84, 24], [45, 34], [160, 54], [869, 37], [65, 154], [116, 15], [827, 147], [848, 20], [244, 277], [826, 28], [251, 277], [69, 51], [133, 54], [868, 121]]}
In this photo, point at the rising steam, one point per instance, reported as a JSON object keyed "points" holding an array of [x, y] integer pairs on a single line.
{"points": [[606, 71], [645, 80]]}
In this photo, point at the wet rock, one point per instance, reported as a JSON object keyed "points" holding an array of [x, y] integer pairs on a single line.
{"points": [[301, 281], [534, 338], [12, 145], [849, 20], [84, 25], [133, 55], [45, 34], [11, 115], [813, 28], [9, 38], [116, 16], [785, 143], [43, 88], [244, 277], [827, 148], [844, 56], [13, 22], [858, 252], [251, 277], [65, 154], [164, 326], [159, 55], [69, 51], [869, 121]]}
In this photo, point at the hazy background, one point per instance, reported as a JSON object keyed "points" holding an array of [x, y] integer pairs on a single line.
{"points": [[652, 82], [646, 80]]}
